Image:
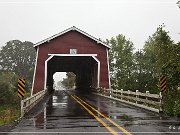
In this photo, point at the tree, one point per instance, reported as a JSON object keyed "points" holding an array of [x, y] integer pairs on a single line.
{"points": [[164, 58], [8, 88], [121, 62], [178, 3], [69, 82], [18, 57]]}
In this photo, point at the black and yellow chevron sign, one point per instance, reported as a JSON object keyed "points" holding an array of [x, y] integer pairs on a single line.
{"points": [[163, 83], [21, 88]]}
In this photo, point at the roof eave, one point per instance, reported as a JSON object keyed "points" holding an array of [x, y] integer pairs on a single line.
{"points": [[67, 30]]}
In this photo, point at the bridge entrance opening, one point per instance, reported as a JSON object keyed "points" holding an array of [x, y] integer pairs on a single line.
{"points": [[85, 67]]}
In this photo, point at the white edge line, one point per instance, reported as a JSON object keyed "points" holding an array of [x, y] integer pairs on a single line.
{"points": [[37, 53]]}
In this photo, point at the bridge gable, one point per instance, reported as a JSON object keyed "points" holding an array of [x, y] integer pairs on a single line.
{"points": [[69, 30], [60, 46], [72, 40]]}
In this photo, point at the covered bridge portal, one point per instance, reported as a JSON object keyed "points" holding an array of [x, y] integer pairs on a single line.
{"points": [[74, 51]]}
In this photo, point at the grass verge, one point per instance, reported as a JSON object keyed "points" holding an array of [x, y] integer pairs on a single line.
{"points": [[9, 113]]}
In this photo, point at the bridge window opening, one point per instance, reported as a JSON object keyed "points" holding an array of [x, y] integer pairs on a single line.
{"points": [[64, 80]]}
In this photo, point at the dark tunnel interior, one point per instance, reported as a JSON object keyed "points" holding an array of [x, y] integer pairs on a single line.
{"points": [[84, 67]]}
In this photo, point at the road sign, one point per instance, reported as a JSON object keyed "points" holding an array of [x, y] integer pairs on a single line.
{"points": [[163, 83], [21, 88]]}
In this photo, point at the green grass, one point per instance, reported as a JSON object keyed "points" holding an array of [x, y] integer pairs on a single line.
{"points": [[27, 94], [9, 113]]}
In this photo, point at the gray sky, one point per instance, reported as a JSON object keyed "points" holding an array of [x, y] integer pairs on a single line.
{"points": [[35, 20]]}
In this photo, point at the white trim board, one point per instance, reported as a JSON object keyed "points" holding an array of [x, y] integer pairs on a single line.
{"points": [[108, 68], [73, 55], [72, 29], [52, 55], [37, 53], [99, 69], [45, 70]]}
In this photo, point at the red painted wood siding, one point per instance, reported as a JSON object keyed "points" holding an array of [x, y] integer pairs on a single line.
{"points": [[62, 45]]}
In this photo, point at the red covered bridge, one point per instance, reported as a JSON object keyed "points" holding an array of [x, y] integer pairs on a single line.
{"points": [[72, 50]]}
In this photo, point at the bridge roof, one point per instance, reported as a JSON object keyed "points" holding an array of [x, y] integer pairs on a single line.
{"points": [[68, 30]]}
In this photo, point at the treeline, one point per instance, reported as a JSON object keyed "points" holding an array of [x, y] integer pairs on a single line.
{"points": [[69, 81], [130, 69], [141, 69], [16, 61]]}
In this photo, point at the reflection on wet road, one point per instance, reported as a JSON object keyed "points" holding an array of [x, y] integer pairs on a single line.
{"points": [[63, 114]]}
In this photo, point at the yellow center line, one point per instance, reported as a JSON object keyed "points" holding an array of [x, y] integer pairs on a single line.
{"points": [[98, 119], [115, 124]]}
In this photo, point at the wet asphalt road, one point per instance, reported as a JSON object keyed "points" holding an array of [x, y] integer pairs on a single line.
{"points": [[61, 113]]}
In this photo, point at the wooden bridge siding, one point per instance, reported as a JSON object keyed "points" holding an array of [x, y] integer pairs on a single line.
{"points": [[62, 45]]}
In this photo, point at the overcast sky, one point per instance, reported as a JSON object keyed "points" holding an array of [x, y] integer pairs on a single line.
{"points": [[35, 20]]}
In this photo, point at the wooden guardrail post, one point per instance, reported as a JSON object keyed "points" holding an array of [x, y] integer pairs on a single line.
{"points": [[110, 92], [22, 109], [144, 100], [30, 102], [147, 93], [128, 95], [121, 94], [137, 96], [116, 93], [104, 91], [161, 102]]}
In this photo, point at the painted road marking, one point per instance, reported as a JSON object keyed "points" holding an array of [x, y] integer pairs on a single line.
{"points": [[115, 124], [98, 119]]}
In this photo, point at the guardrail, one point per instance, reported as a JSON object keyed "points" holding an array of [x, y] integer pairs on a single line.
{"points": [[146, 100], [28, 103]]}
